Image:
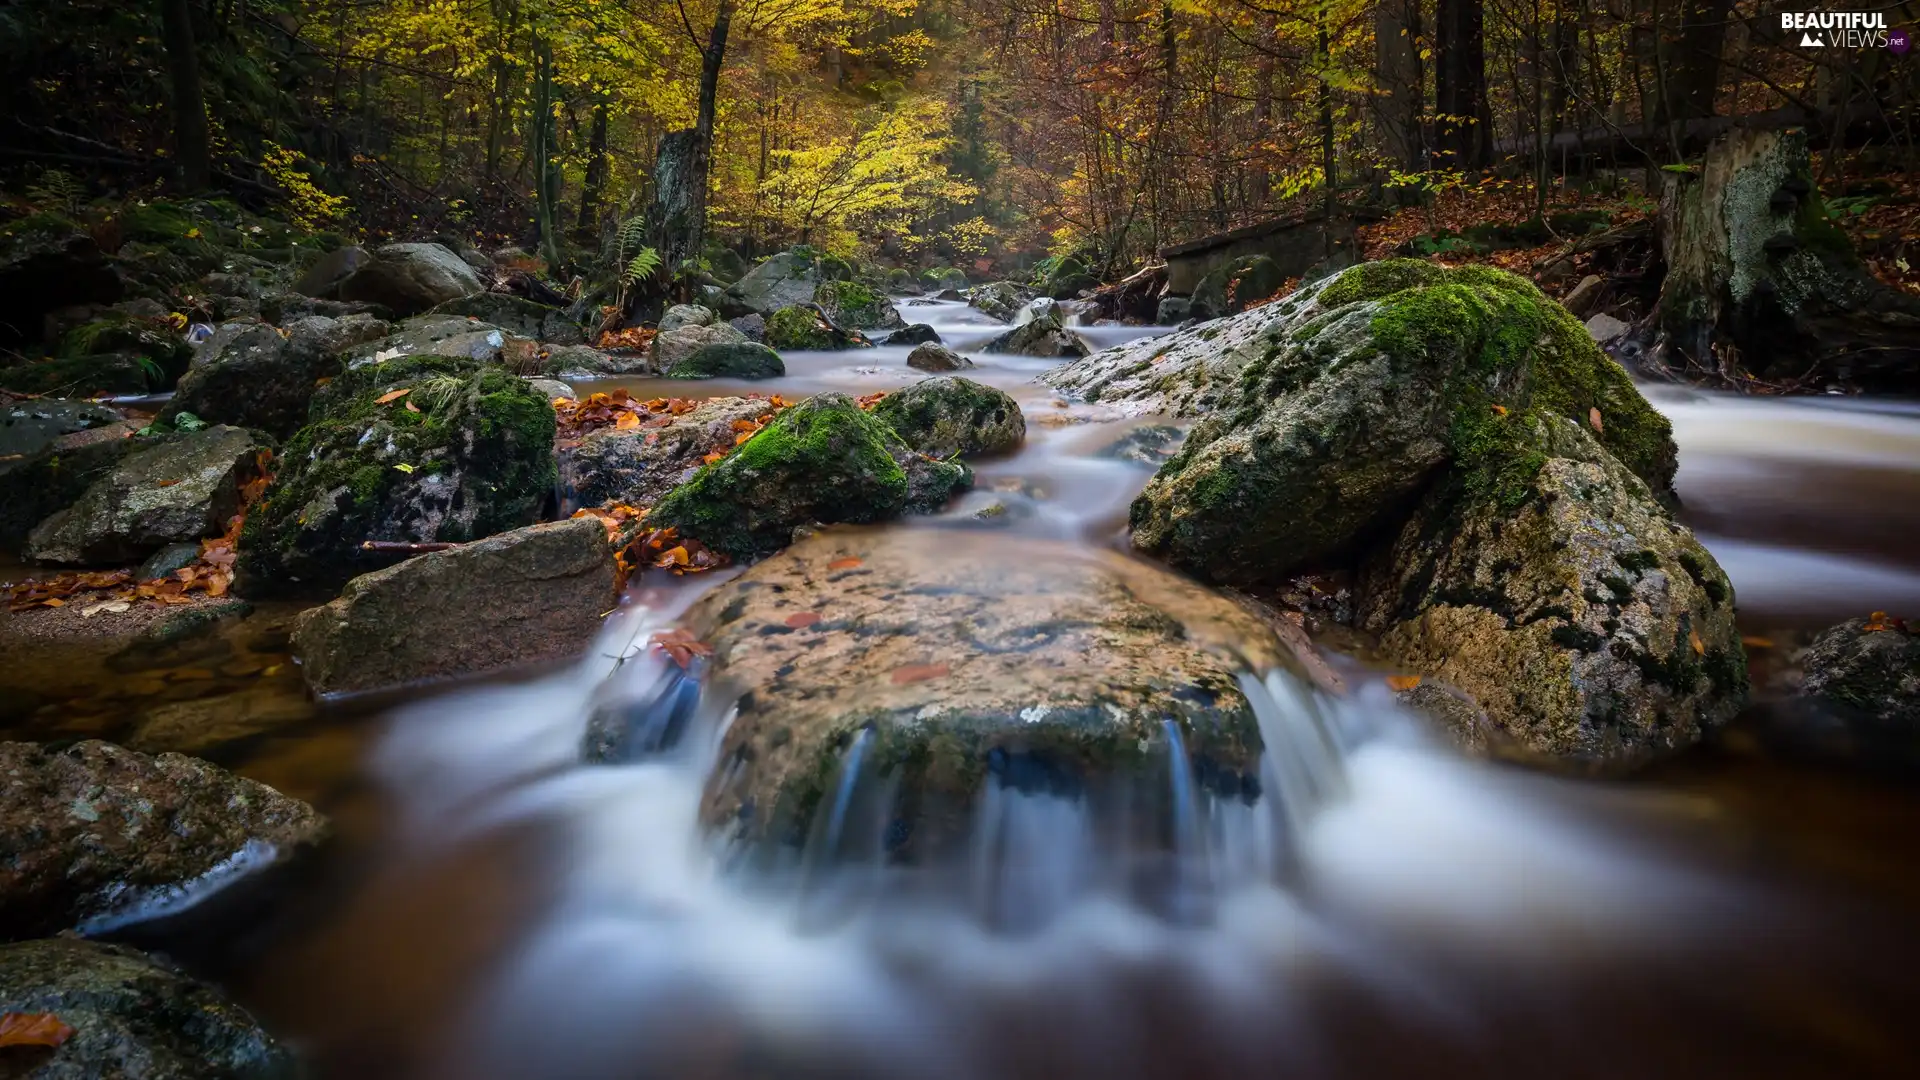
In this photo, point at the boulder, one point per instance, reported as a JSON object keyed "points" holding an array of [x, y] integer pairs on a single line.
{"points": [[131, 1016], [516, 315], [1231, 288], [454, 336], [1327, 413], [1173, 310], [36, 486], [1046, 665], [901, 282], [48, 262], [98, 836], [1580, 302], [519, 597], [27, 427], [1000, 299], [853, 305], [1604, 328], [936, 357], [671, 347], [754, 326], [581, 362], [1042, 335], [471, 457], [781, 281], [803, 328], [1870, 670], [249, 375], [179, 491], [407, 279], [735, 360], [947, 416], [943, 279], [550, 388], [681, 315], [1591, 629], [916, 334], [639, 466], [116, 373], [1066, 278], [824, 460]]}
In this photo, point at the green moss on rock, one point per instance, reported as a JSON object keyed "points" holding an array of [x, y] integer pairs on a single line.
{"points": [[795, 327], [948, 416]]}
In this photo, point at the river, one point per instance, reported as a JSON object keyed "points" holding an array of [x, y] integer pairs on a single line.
{"points": [[495, 909]]}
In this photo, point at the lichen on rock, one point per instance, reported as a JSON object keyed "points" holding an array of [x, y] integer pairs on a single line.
{"points": [[948, 416]]}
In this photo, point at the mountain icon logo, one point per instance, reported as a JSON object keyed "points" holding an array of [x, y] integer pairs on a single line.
{"points": [[1809, 41]]}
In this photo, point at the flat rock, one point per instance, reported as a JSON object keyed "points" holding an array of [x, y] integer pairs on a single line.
{"points": [[29, 426]]}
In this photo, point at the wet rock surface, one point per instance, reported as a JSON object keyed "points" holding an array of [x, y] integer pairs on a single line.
{"points": [[1873, 675], [249, 374], [639, 466], [734, 360], [934, 356], [672, 347], [947, 416]]}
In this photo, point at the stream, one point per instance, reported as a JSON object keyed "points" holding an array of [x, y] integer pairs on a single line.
{"points": [[496, 909]]}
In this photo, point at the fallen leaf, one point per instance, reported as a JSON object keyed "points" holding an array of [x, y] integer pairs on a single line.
{"points": [[1757, 642], [709, 459], [745, 425], [393, 395], [1499, 410], [627, 422], [33, 1029], [847, 563], [1693, 638], [802, 620], [412, 408], [1876, 623], [54, 601], [1399, 683], [404, 467], [1593, 417], [111, 607], [913, 673]]}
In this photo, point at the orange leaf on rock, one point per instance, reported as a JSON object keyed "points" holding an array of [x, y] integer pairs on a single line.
{"points": [[33, 1029], [1693, 638], [745, 425], [1593, 417], [393, 395], [803, 619], [166, 483], [412, 408], [913, 673], [1400, 683], [627, 422], [847, 563], [709, 459]]}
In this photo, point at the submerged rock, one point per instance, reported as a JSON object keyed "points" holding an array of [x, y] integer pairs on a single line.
{"points": [[948, 416], [1872, 674], [407, 279], [131, 1017], [934, 356], [639, 466], [823, 460], [955, 659], [1589, 626], [737, 360], [471, 457], [181, 490], [518, 597], [98, 836]]}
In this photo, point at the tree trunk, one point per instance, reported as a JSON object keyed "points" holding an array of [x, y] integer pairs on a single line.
{"points": [[546, 167], [1760, 281], [192, 150], [594, 183], [679, 218], [1691, 74], [1460, 85], [1396, 26]]}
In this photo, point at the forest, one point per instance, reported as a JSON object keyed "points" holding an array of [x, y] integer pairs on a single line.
{"points": [[1054, 539]]}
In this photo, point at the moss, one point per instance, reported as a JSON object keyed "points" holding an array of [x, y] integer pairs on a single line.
{"points": [[950, 415], [852, 304], [44, 223], [80, 376], [796, 327], [1371, 281], [131, 337]]}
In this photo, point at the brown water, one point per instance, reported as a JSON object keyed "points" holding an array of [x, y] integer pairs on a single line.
{"points": [[495, 910]]}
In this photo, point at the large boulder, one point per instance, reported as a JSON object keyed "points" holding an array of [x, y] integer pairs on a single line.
{"points": [[1065, 278], [47, 262], [180, 490], [456, 336], [956, 660], [1326, 414], [322, 280], [943, 278], [1042, 335], [781, 281], [670, 347], [802, 327], [851, 304], [407, 279], [1590, 628], [465, 452], [934, 356], [738, 360], [682, 315], [252, 375], [1870, 670], [130, 1016], [916, 334], [518, 597], [638, 466], [999, 299], [823, 460], [98, 836], [517, 315], [1232, 287], [947, 416]]}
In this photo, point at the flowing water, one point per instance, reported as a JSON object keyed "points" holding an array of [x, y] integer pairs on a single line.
{"points": [[1386, 909]]}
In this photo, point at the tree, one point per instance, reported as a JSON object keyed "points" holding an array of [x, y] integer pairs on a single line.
{"points": [[192, 149], [1463, 128]]}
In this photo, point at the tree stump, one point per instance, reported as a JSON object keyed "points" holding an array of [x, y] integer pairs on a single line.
{"points": [[1761, 282]]}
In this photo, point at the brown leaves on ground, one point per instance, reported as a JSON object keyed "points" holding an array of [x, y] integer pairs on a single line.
{"points": [[577, 417], [868, 401], [211, 574], [635, 338], [33, 1029], [680, 646]]}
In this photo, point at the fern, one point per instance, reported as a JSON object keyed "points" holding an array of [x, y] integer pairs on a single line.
{"points": [[57, 191], [629, 239], [641, 267], [151, 370]]}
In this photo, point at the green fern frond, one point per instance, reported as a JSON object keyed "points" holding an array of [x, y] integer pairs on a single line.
{"points": [[642, 266], [631, 238]]}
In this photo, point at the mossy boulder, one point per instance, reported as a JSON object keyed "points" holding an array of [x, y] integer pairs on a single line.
{"points": [[1229, 289], [1065, 278], [116, 354], [941, 278], [1045, 334], [801, 327], [1327, 413], [466, 452], [950, 416], [734, 360], [253, 375], [1590, 628], [672, 347], [902, 282], [851, 304], [962, 660], [638, 466], [999, 299], [823, 460]]}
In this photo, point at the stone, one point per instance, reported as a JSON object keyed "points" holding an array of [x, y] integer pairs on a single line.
{"points": [[176, 492], [754, 326], [164, 562], [248, 375], [936, 357], [1000, 299], [735, 360], [1325, 414], [1173, 310], [454, 336], [799, 328], [29, 426], [947, 416], [132, 1017], [680, 315], [516, 315], [551, 388], [671, 347], [99, 836], [823, 460], [1604, 328], [781, 281], [1872, 675], [638, 467], [408, 279], [581, 362], [854, 306], [1065, 278], [944, 279], [1150, 445], [916, 334], [472, 457], [324, 278], [519, 597], [1045, 664], [36, 487], [1592, 630], [1580, 301], [1043, 335], [1232, 287]]}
